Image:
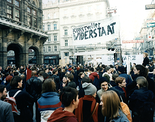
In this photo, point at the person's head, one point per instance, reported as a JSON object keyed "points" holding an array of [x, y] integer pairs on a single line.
{"points": [[34, 73], [3, 92], [121, 69], [110, 104], [140, 70], [16, 82], [55, 71], [69, 97], [141, 82], [81, 74], [8, 78], [114, 76], [16, 73], [104, 84], [107, 77], [48, 86], [64, 81], [91, 69], [70, 77], [145, 55], [120, 81], [89, 89], [107, 69], [86, 79], [41, 72]]}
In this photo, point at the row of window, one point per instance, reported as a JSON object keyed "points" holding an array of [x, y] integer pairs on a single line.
{"points": [[49, 27], [55, 38], [49, 49], [15, 12]]}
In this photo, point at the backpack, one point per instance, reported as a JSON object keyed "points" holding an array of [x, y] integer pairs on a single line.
{"points": [[96, 82], [12, 101]]}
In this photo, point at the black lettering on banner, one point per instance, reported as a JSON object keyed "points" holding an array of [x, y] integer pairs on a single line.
{"points": [[86, 34], [133, 57], [93, 30], [99, 30], [109, 30], [95, 33], [81, 36], [103, 31], [90, 34], [112, 24]]}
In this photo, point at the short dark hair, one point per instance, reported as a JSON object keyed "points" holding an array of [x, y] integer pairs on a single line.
{"points": [[67, 95], [2, 87], [114, 76], [91, 69], [54, 71], [48, 85], [16, 73], [86, 79], [70, 76], [14, 81]]}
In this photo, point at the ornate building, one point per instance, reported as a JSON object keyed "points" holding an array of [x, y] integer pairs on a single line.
{"points": [[21, 30], [66, 14]]}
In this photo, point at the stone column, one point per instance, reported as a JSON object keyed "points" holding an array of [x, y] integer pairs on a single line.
{"points": [[3, 52]]}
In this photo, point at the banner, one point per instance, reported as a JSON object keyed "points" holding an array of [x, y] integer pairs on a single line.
{"points": [[109, 59], [97, 32]]}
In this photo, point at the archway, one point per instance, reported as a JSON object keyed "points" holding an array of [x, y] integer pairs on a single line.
{"points": [[33, 55], [18, 51]]}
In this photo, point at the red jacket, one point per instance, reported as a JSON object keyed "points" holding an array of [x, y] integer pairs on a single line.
{"points": [[93, 75], [62, 116], [79, 111]]}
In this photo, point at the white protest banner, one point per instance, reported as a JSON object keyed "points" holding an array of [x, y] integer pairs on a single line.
{"points": [[97, 32], [109, 59]]}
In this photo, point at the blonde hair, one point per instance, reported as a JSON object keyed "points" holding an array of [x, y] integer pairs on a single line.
{"points": [[111, 104], [146, 54]]}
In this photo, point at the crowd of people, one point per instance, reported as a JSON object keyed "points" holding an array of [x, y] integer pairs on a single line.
{"points": [[104, 93]]}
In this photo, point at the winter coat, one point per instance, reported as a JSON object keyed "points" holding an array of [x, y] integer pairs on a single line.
{"points": [[24, 102], [47, 104], [145, 61], [121, 118], [60, 115], [34, 87], [93, 75], [142, 105], [85, 109]]}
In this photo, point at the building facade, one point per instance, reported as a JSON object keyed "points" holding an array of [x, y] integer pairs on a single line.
{"points": [[21, 30], [67, 14]]}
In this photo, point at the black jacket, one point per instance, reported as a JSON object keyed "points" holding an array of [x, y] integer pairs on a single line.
{"points": [[24, 102], [34, 87], [145, 61], [142, 105]]}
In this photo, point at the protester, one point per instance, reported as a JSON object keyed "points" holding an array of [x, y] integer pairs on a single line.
{"points": [[142, 102], [70, 79], [69, 98], [56, 79], [49, 100], [87, 110], [23, 100], [104, 86], [121, 86], [6, 114], [146, 59], [140, 70], [111, 107]]}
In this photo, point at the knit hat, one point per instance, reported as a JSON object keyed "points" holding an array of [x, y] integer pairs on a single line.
{"points": [[89, 88]]}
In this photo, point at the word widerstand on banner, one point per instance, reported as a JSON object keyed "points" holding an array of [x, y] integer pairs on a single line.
{"points": [[96, 32]]}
